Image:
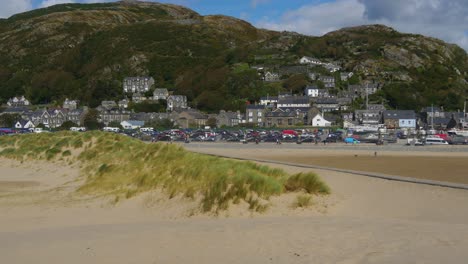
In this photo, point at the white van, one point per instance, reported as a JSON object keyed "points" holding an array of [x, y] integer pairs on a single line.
{"points": [[111, 129], [78, 129], [146, 129], [435, 141]]}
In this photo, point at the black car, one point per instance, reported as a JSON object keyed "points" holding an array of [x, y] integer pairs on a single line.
{"points": [[330, 140]]}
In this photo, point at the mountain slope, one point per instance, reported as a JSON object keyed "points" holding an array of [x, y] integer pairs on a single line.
{"points": [[85, 51]]}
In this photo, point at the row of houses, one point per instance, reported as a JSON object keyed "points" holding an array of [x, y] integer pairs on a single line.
{"points": [[51, 118], [376, 114]]}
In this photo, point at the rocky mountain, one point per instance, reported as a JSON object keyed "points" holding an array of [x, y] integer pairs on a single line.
{"points": [[84, 51]]}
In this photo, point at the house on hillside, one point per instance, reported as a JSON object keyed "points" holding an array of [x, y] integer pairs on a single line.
{"points": [[138, 98], [328, 81], [319, 121], [108, 104], [344, 103], [344, 76], [332, 67], [70, 104], [186, 118], [282, 118], [269, 101], [75, 115], [326, 104], [293, 101], [18, 102], [24, 124], [228, 118], [149, 117], [176, 101], [310, 60], [160, 94], [255, 114], [311, 91], [118, 115], [137, 84], [123, 104], [51, 118], [399, 119], [271, 77]]}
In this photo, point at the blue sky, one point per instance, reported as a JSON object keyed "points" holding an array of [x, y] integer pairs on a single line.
{"points": [[443, 19]]}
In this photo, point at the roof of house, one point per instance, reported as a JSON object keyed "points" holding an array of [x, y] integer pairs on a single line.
{"points": [[252, 107], [380, 107], [294, 100], [310, 87], [160, 91], [431, 109], [399, 114], [280, 114], [15, 110], [326, 100], [272, 98], [295, 109]]}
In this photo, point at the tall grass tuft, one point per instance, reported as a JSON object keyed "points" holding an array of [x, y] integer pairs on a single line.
{"points": [[124, 167], [302, 201], [308, 182]]}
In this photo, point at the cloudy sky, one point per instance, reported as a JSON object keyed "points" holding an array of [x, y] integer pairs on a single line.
{"points": [[444, 19]]}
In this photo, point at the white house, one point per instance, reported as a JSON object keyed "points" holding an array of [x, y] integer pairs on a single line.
{"points": [[344, 76], [269, 100], [311, 91], [26, 124], [15, 101], [319, 121], [309, 60], [132, 124], [271, 77], [332, 67], [70, 104]]}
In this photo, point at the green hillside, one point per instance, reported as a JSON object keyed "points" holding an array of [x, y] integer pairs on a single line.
{"points": [[84, 51]]}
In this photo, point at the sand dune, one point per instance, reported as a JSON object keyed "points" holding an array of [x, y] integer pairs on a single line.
{"points": [[364, 220]]}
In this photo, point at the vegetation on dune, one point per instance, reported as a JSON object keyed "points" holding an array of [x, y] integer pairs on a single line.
{"points": [[303, 201], [124, 167]]}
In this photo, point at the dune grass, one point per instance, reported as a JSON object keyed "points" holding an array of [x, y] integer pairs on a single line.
{"points": [[124, 167], [303, 201]]}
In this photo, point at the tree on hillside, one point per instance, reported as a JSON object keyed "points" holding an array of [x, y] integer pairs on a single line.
{"points": [[67, 125], [115, 124], [296, 83], [9, 120], [90, 120]]}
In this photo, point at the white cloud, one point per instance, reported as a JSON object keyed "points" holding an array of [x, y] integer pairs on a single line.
{"points": [[47, 3], [444, 19], [11, 7], [319, 19]]}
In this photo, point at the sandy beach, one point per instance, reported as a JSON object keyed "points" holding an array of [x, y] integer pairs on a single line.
{"points": [[364, 220]]}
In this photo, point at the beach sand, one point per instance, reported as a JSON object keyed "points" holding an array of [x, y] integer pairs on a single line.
{"points": [[364, 220]]}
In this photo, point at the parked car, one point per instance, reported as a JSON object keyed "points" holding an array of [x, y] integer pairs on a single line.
{"points": [[351, 140], [435, 141], [330, 140], [458, 140], [414, 142]]}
